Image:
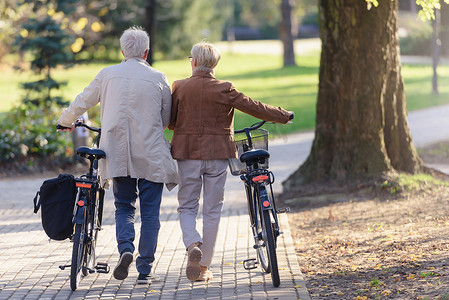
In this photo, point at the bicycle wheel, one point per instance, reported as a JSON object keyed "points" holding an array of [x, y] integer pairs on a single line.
{"points": [[256, 226], [270, 246], [89, 256], [94, 224], [77, 256]]}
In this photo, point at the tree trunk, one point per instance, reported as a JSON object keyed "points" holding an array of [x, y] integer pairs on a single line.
{"points": [[286, 29], [436, 49], [150, 13], [444, 29], [361, 125]]}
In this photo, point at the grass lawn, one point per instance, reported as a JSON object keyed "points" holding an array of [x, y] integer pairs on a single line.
{"points": [[259, 76]]}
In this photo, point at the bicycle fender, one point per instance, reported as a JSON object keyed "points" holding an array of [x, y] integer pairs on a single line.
{"points": [[79, 216], [265, 200]]}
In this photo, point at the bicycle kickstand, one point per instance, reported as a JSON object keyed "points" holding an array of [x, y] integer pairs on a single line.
{"points": [[64, 266]]}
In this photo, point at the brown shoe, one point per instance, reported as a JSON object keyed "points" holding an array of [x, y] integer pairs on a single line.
{"points": [[193, 269], [205, 274]]}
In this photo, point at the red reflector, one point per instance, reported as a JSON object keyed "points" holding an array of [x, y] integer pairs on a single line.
{"points": [[260, 178], [84, 185], [81, 203], [266, 203]]}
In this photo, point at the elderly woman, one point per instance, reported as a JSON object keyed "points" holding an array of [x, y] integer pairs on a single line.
{"points": [[202, 120]]}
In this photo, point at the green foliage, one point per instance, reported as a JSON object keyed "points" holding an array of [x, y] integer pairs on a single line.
{"points": [[427, 11], [411, 183], [9, 15], [28, 132], [418, 41], [428, 7], [180, 24], [311, 19], [375, 282], [48, 43]]}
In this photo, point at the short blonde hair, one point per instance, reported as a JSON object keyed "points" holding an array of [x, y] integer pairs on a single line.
{"points": [[134, 42], [207, 56]]}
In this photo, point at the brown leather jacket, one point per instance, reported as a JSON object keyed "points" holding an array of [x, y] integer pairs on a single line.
{"points": [[202, 117]]}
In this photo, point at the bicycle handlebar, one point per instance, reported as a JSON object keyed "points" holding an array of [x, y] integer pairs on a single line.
{"points": [[79, 124], [252, 127], [257, 125]]}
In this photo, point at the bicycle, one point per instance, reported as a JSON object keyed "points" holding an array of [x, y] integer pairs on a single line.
{"points": [[87, 214], [252, 167]]}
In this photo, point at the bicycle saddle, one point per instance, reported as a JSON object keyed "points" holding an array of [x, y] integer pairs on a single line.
{"points": [[86, 151], [253, 156]]}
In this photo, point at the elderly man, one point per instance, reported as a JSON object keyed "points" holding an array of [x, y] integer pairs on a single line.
{"points": [[135, 104], [202, 119]]}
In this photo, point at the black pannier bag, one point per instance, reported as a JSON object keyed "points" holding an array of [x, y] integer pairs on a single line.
{"points": [[57, 198]]}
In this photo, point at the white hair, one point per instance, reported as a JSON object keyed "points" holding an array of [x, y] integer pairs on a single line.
{"points": [[134, 42], [207, 56]]}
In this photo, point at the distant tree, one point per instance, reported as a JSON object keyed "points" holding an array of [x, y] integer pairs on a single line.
{"points": [[288, 31], [48, 43], [178, 24], [150, 24], [445, 30]]}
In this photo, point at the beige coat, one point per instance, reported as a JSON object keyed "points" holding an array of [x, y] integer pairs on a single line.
{"points": [[203, 116], [135, 108]]}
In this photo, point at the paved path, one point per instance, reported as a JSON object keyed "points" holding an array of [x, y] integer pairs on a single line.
{"points": [[29, 261]]}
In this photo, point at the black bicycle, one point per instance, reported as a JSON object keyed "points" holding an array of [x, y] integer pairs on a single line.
{"points": [[252, 167], [87, 214]]}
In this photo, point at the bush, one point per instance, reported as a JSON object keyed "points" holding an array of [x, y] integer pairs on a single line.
{"points": [[415, 36], [28, 135], [417, 42]]}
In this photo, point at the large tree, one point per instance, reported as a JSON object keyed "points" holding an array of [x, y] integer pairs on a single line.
{"points": [[361, 124]]}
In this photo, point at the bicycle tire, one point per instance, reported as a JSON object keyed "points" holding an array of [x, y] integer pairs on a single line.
{"points": [[270, 246], [260, 245], [94, 216], [77, 257], [257, 229], [89, 248]]}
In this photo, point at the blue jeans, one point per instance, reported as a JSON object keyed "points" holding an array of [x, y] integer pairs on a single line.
{"points": [[126, 190]]}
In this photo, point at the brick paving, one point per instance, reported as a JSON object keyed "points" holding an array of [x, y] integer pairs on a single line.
{"points": [[29, 262]]}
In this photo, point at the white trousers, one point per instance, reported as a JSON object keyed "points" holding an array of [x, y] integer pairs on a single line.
{"points": [[211, 176]]}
